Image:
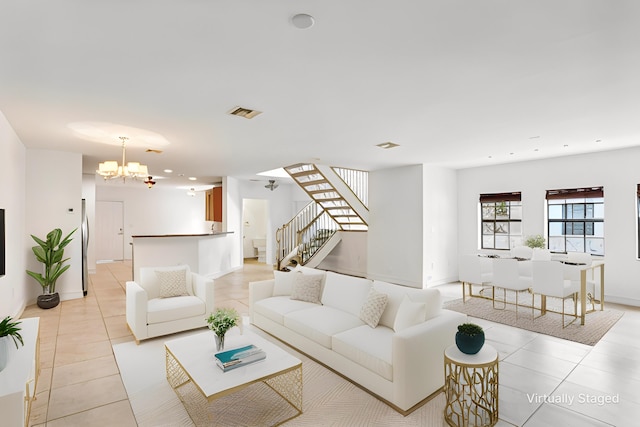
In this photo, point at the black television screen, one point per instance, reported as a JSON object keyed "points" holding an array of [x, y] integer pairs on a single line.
{"points": [[2, 251]]}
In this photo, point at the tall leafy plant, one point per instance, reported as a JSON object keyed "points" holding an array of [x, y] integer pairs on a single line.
{"points": [[50, 252]]}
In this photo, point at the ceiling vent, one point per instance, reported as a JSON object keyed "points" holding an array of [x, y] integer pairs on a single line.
{"points": [[244, 112], [151, 150]]}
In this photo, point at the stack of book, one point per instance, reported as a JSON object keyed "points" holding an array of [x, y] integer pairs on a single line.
{"points": [[238, 357]]}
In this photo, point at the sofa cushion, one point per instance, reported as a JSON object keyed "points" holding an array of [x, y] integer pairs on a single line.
{"points": [[275, 308], [173, 283], [283, 283], [371, 348], [169, 309], [320, 323], [409, 313], [346, 293], [306, 287], [373, 307], [396, 293]]}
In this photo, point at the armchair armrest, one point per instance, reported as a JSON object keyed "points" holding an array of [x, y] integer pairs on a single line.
{"points": [[136, 310], [259, 291], [203, 289], [418, 356]]}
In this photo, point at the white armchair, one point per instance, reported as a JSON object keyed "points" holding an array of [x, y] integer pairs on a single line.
{"points": [[167, 300]]}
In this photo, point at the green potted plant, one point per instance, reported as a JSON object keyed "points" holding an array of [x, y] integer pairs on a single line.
{"points": [[50, 253], [469, 338], [536, 241], [8, 330], [220, 322]]}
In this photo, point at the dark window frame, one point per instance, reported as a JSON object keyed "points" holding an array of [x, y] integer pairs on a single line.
{"points": [[501, 204]]}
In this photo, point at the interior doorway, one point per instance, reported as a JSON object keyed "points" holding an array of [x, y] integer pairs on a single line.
{"points": [[255, 235], [109, 231]]}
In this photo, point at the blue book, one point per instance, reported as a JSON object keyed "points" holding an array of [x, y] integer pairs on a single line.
{"points": [[237, 357]]}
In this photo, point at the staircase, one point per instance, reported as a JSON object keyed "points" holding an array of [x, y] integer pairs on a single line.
{"points": [[326, 187], [339, 196]]}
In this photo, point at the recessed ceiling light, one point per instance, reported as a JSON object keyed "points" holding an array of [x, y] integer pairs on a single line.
{"points": [[302, 21], [565, 145], [598, 140], [536, 149], [244, 112], [192, 178], [168, 171], [387, 145]]}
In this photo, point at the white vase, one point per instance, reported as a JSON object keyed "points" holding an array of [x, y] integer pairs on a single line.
{"points": [[5, 351]]}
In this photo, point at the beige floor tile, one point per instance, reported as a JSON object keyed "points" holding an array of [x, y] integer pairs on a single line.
{"points": [[39, 408], [118, 414], [75, 398], [44, 380], [117, 326], [74, 373], [67, 353], [85, 332]]}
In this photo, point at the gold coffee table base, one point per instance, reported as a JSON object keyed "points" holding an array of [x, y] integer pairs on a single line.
{"points": [[287, 384]]}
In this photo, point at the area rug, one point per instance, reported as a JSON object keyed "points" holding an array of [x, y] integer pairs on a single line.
{"points": [[596, 324], [328, 399]]}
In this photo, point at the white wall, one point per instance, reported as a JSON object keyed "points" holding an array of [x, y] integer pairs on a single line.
{"points": [[395, 237], [440, 230], [54, 189], [350, 256], [617, 171], [159, 210], [13, 286]]}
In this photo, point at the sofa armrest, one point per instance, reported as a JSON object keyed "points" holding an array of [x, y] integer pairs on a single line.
{"points": [[259, 291], [203, 289], [418, 356], [136, 310]]}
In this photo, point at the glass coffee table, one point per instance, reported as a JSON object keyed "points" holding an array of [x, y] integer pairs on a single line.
{"points": [[197, 380]]}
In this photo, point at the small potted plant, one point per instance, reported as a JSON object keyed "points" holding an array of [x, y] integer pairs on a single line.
{"points": [[469, 338], [220, 322], [50, 253], [8, 329], [537, 241]]}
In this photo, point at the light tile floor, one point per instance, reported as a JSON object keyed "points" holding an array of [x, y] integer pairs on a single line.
{"points": [[80, 383]]}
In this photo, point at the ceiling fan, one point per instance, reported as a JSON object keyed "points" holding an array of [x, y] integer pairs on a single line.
{"points": [[271, 185]]}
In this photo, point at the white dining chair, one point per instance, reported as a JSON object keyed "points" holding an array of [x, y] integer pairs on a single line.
{"points": [[522, 252], [549, 281], [506, 276], [576, 261], [540, 254], [473, 270]]}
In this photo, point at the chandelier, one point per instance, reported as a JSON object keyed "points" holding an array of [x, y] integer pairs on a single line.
{"points": [[112, 170]]}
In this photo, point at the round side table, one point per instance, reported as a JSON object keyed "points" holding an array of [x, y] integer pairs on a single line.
{"points": [[471, 387]]}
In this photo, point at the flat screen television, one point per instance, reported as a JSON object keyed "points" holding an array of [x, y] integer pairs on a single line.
{"points": [[2, 244]]}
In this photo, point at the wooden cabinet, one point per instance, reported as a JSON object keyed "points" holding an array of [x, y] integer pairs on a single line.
{"points": [[213, 204], [19, 378]]}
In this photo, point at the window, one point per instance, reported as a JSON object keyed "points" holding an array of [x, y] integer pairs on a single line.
{"points": [[501, 220], [576, 220]]}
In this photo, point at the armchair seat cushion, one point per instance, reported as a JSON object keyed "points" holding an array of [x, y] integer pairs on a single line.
{"points": [[368, 347], [320, 323], [170, 309]]}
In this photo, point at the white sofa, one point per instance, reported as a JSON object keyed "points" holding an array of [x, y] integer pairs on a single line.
{"points": [[167, 300], [400, 360]]}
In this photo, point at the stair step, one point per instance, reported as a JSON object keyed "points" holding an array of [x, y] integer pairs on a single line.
{"points": [[296, 175], [315, 182], [326, 190]]}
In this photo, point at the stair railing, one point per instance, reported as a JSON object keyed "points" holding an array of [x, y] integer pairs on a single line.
{"points": [[357, 181], [300, 236]]}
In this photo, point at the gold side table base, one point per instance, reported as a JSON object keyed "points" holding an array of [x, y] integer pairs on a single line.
{"points": [[471, 392], [286, 384]]}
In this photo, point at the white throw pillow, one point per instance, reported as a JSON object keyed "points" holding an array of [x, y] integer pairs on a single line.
{"points": [[306, 287], [283, 283], [173, 283], [373, 307], [410, 313]]}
